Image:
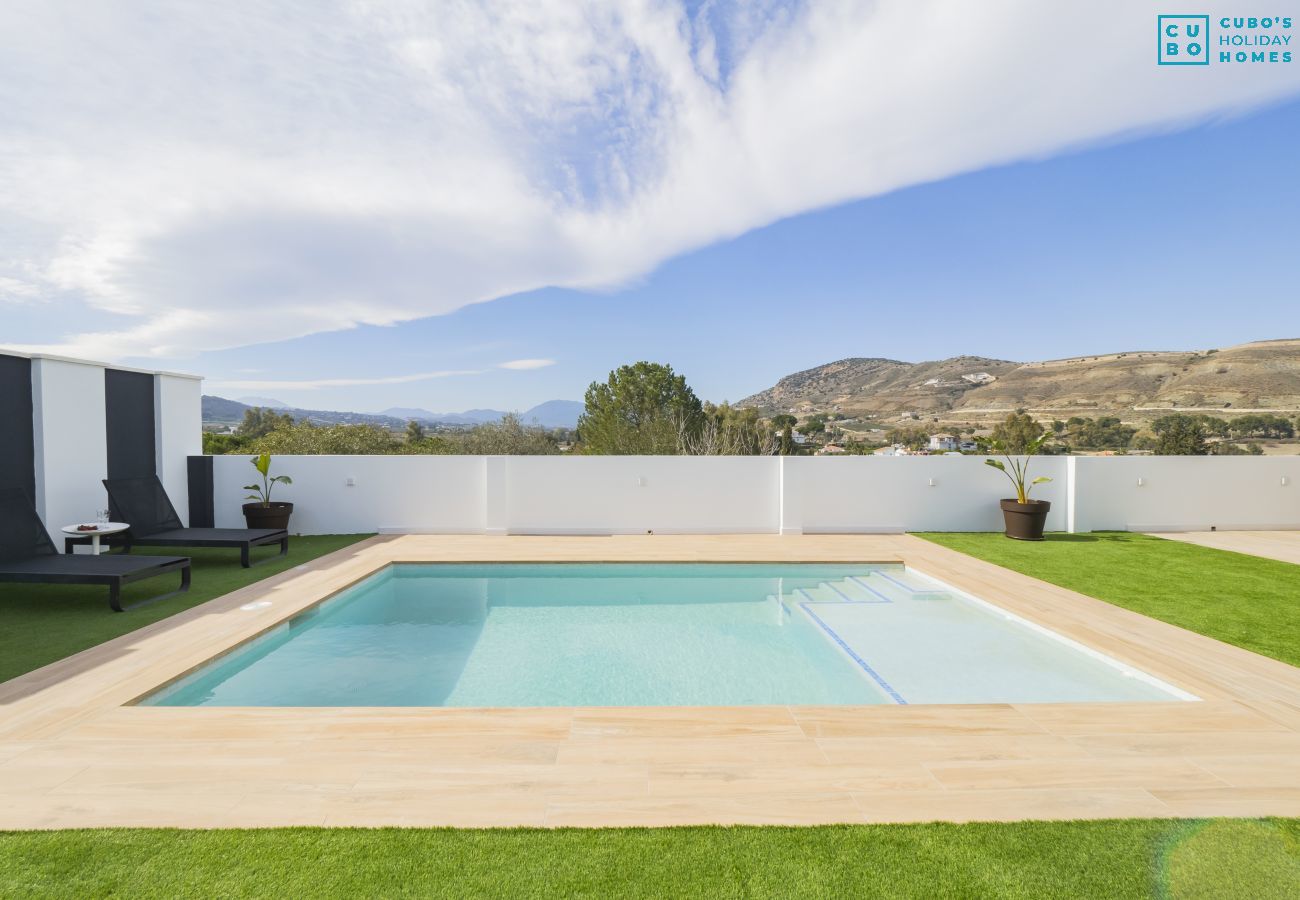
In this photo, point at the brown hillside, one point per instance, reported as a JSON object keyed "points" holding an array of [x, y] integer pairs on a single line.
{"points": [[1135, 385]]}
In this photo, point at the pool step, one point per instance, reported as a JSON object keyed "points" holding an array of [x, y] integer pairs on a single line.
{"points": [[910, 585], [870, 587]]}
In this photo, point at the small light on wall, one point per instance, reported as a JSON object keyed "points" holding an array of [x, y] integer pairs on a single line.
{"points": [[640, 481], [1284, 481], [931, 480], [351, 481], [1141, 481]]}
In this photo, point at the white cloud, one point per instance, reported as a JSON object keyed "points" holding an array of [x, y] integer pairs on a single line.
{"points": [[314, 384], [216, 175], [527, 364]]}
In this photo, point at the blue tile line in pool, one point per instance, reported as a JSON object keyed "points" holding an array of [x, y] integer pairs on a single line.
{"points": [[866, 587], [862, 663]]}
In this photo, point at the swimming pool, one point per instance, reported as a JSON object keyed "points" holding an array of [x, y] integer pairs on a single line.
{"points": [[656, 634]]}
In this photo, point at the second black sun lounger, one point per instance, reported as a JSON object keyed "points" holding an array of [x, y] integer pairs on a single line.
{"points": [[28, 556], [144, 505]]}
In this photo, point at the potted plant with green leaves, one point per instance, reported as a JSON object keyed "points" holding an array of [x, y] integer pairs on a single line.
{"points": [[1024, 518], [266, 513]]}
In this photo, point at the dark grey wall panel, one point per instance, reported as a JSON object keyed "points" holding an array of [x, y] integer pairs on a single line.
{"points": [[17, 447], [202, 502], [129, 421]]}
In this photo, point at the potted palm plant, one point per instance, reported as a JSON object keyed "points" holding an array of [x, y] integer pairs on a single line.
{"points": [[1024, 518], [264, 513]]}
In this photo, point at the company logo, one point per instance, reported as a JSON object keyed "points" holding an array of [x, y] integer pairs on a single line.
{"points": [[1183, 40], [1186, 40]]}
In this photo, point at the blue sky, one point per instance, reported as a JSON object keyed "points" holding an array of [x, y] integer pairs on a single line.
{"points": [[492, 203], [1186, 240]]}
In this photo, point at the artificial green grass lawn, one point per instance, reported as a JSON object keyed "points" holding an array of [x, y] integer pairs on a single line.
{"points": [[41, 623], [1259, 859], [1239, 599]]}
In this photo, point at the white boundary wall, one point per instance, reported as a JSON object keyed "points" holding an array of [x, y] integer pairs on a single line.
{"points": [[1185, 493], [790, 495]]}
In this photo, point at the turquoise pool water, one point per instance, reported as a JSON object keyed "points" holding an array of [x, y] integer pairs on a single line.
{"points": [[622, 634]]}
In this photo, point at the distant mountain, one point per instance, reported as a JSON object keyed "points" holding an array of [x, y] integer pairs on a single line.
{"points": [[264, 402], [551, 414], [555, 414], [409, 412], [1136, 385], [468, 417], [220, 411], [477, 416]]}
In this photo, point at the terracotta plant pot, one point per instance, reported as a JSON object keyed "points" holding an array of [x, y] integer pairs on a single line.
{"points": [[1025, 521], [274, 516]]}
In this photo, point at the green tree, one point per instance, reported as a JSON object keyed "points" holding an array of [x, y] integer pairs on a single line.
{"points": [[786, 423], [306, 439], [642, 408], [259, 421], [911, 438], [1261, 426], [813, 425], [219, 444], [1227, 448], [508, 437], [1211, 426], [414, 432], [729, 431], [1179, 435], [1017, 432], [1105, 433]]}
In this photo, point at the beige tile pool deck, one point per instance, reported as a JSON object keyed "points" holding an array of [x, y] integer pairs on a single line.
{"points": [[75, 753]]}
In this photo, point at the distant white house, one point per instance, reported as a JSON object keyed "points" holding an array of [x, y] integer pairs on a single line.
{"points": [[968, 446], [942, 443], [830, 450]]}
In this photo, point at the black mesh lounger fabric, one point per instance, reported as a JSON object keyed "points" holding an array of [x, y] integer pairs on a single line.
{"points": [[143, 503], [22, 533]]}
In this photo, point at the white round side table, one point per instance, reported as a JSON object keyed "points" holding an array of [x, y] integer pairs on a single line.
{"points": [[101, 529]]}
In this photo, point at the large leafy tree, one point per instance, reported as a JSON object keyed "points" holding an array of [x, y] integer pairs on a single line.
{"points": [[642, 408], [260, 421], [1017, 432], [1262, 426], [786, 423], [1179, 435]]}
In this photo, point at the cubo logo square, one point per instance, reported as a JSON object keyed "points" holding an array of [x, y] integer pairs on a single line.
{"points": [[1183, 40]]}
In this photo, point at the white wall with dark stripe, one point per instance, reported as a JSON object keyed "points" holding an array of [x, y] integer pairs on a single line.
{"points": [[72, 406]]}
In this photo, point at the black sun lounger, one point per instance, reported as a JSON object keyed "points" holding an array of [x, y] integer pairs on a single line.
{"points": [[28, 556], [144, 505]]}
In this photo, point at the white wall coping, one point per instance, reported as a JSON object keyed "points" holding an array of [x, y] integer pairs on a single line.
{"points": [[53, 357]]}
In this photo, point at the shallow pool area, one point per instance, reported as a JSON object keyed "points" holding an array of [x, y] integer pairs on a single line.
{"points": [[656, 634]]}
